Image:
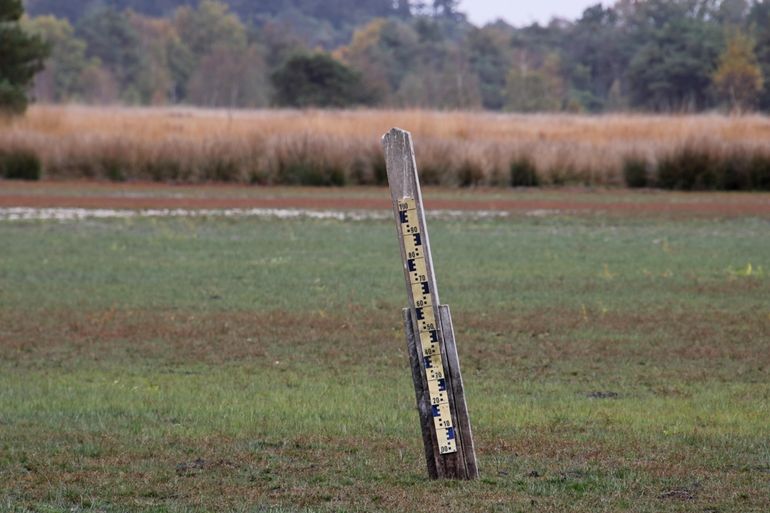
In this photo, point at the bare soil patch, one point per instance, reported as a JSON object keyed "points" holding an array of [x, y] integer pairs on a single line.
{"points": [[569, 201]]}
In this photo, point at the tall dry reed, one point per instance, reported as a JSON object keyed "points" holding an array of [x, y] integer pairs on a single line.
{"points": [[342, 147]]}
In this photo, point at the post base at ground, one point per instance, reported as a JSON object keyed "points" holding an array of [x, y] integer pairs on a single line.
{"points": [[461, 464]]}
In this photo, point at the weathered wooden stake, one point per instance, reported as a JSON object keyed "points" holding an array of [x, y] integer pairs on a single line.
{"points": [[438, 384]]}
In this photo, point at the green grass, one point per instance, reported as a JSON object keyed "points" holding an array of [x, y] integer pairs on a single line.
{"points": [[298, 266], [250, 365]]}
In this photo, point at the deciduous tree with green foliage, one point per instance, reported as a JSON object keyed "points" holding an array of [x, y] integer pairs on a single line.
{"points": [[596, 54], [112, 40], [759, 24], [490, 59], [738, 78], [63, 76], [383, 51], [317, 80], [230, 77], [209, 25], [673, 70], [659, 55], [535, 90], [21, 58]]}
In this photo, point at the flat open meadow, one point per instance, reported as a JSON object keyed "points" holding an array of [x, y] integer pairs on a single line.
{"points": [[615, 349]]}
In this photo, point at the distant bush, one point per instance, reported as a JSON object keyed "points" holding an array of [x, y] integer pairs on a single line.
{"points": [[691, 168], [112, 169], [379, 168], [565, 173], [636, 172], [524, 173], [367, 167], [759, 171], [687, 169], [432, 174], [220, 170], [470, 173], [310, 173], [437, 162], [20, 164], [162, 170], [302, 162]]}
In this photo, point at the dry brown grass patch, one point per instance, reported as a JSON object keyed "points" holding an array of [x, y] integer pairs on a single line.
{"points": [[337, 147]]}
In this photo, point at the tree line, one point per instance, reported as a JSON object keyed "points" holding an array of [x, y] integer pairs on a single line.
{"points": [[651, 55]]}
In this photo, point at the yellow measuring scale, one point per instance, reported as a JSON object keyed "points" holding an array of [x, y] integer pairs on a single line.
{"points": [[429, 332]]}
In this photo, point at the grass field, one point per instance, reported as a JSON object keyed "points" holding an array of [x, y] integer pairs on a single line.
{"points": [[611, 362]]}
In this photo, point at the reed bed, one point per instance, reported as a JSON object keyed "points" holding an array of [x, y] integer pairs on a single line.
{"points": [[319, 147]]}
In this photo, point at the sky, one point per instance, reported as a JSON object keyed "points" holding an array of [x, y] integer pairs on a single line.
{"points": [[523, 12]]}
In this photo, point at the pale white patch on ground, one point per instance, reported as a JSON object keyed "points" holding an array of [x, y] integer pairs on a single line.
{"points": [[78, 214], [543, 212]]}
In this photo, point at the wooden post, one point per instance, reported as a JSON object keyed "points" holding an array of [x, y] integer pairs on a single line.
{"points": [[438, 384]]}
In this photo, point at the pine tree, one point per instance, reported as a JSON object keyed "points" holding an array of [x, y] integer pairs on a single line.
{"points": [[21, 57], [739, 78]]}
